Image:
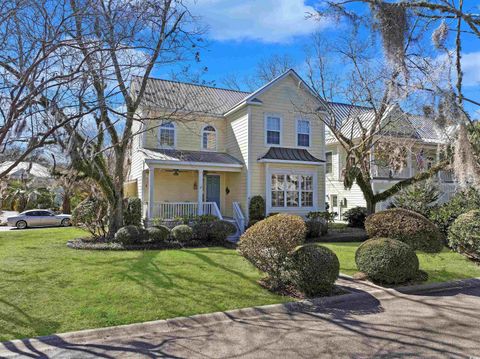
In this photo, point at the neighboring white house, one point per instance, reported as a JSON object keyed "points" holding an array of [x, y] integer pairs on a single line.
{"points": [[421, 135], [223, 147]]}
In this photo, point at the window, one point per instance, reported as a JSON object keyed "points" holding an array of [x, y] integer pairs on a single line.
{"points": [[303, 133], [167, 135], [334, 199], [209, 138], [273, 129], [292, 190], [329, 162]]}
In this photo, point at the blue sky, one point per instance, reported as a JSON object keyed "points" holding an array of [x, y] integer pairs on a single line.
{"points": [[242, 33]]}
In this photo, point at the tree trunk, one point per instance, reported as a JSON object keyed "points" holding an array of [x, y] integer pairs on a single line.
{"points": [[66, 206], [116, 209], [370, 205]]}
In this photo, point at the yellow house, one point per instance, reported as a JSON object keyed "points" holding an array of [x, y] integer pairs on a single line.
{"points": [[201, 149]]}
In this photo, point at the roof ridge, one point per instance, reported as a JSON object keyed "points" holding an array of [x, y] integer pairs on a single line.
{"points": [[193, 84]]}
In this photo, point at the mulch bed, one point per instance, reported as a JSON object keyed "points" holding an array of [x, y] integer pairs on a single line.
{"points": [[343, 235], [103, 245]]}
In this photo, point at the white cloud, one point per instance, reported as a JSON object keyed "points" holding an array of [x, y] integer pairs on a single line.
{"points": [[471, 68], [269, 21]]}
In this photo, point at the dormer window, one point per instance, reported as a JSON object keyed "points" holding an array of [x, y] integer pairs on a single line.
{"points": [[303, 133], [273, 128], [209, 138], [167, 135]]}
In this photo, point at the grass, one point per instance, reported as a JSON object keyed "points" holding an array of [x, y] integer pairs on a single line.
{"points": [[337, 225], [441, 267], [48, 288]]}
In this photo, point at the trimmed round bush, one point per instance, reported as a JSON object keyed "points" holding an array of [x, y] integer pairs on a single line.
{"points": [[201, 227], [256, 210], [314, 269], [464, 234], [267, 243], [220, 230], [129, 235], [158, 233], [387, 260], [356, 217], [182, 233], [407, 226]]}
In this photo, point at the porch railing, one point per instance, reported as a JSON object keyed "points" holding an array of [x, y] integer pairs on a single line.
{"points": [[171, 210], [238, 216]]}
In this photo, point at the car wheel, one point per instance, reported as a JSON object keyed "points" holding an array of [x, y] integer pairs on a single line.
{"points": [[65, 222], [21, 225]]}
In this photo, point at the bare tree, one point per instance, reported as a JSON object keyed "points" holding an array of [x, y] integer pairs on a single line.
{"points": [[33, 63], [110, 42], [375, 126], [451, 23], [265, 71]]}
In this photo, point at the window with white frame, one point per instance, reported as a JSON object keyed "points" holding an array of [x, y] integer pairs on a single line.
{"points": [[328, 162], [303, 133], [209, 138], [273, 129], [167, 135], [292, 190]]}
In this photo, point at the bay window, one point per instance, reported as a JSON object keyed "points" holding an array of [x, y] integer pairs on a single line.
{"points": [[292, 190]]}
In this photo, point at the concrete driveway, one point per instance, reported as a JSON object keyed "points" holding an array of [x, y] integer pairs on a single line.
{"points": [[380, 324]]}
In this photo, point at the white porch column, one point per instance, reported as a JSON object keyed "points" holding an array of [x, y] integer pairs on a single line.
{"points": [[151, 191], [200, 192]]}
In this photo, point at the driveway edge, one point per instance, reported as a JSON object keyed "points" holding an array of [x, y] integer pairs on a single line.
{"points": [[166, 325]]}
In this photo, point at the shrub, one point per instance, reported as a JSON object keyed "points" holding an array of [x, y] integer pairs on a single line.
{"points": [[327, 216], [316, 227], [256, 209], [387, 260], [158, 234], [314, 269], [267, 244], [418, 197], [182, 233], [129, 235], [464, 234], [91, 215], [201, 226], [133, 212], [407, 226], [356, 217], [462, 202], [220, 230]]}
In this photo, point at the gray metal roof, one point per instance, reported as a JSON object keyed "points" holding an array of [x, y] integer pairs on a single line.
{"points": [[188, 97], [350, 119], [289, 154], [190, 156]]}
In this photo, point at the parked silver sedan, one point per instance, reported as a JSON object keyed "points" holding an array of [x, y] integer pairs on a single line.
{"points": [[39, 218]]}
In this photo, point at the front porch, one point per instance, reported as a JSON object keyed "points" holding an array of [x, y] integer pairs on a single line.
{"points": [[171, 192]]}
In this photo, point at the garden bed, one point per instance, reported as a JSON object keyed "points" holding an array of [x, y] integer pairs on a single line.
{"points": [[102, 245]]}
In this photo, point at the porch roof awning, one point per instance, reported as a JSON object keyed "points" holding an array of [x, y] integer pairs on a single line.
{"points": [[196, 158], [290, 155]]}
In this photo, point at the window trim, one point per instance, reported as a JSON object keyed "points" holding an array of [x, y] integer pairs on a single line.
{"points": [[265, 122], [216, 138], [326, 162], [298, 133], [286, 172], [174, 135]]}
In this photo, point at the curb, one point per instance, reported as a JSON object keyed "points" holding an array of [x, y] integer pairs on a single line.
{"points": [[166, 325]]}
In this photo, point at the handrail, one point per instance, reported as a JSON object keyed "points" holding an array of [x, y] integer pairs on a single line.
{"points": [[216, 210], [238, 216]]}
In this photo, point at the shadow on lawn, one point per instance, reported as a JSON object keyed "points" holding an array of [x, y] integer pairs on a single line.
{"points": [[364, 326]]}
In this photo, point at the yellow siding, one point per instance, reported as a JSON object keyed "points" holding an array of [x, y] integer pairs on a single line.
{"points": [[237, 145], [283, 99], [188, 132]]}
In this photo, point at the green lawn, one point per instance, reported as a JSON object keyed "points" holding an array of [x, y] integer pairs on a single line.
{"points": [[48, 288], [441, 267]]}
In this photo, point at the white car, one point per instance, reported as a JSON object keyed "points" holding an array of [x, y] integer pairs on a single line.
{"points": [[39, 218]]}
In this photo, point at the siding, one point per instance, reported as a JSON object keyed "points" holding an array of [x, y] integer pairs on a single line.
{"points": [[136, 159], [281, 99], [237, 145]]}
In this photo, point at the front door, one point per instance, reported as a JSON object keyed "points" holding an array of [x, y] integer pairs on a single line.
{"points": [[213, 189]]}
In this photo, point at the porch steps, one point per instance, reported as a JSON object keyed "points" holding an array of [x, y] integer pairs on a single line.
{"points": [[236, 236]]}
